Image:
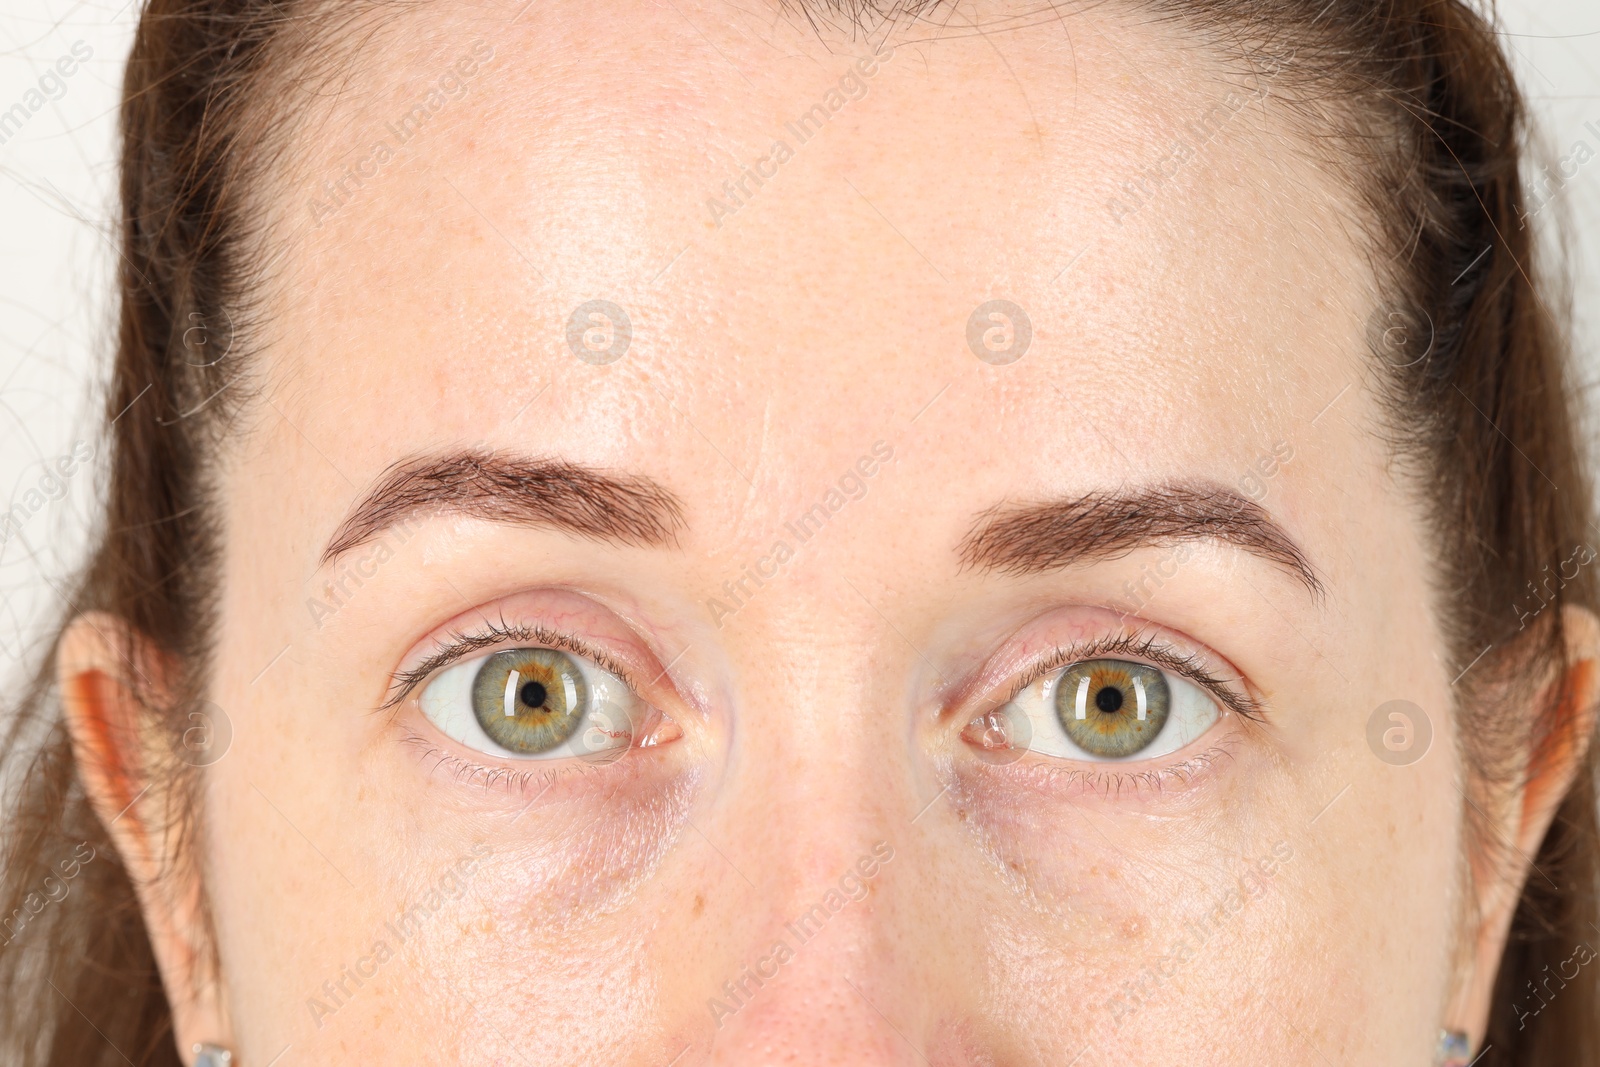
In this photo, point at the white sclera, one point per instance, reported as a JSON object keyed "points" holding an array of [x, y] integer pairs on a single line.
{"points": [[1193, 711], [607, 721]]}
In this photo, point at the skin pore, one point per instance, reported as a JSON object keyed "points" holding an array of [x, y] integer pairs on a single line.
{"points": [[802, 739]]}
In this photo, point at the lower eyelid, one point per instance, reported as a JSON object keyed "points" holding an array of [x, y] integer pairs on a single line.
{"points": [[1065, 779], [515, 781]]}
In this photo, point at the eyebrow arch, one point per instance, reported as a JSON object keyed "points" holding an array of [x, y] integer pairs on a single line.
{"points": [[1032, 538], [624, 508]]}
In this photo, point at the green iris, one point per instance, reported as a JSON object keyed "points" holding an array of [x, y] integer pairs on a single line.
{"points": [[529, 700], [1112, 707]]}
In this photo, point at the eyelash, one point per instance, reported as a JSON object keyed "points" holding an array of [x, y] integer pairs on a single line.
{"points": [[464, 770], [458, 645], [1143, 646], [1112, 782], [1138, 645]]}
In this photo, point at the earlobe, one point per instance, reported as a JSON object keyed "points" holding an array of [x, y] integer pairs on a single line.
{"points": [[1567, 705], [111, 680]]}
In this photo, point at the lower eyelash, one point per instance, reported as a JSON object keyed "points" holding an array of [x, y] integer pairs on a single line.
{"points": [[530, 782], [1096, 780]]}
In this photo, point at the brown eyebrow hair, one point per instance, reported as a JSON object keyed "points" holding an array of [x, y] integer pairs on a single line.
{"points": [[626, 508], [1031, 538]]}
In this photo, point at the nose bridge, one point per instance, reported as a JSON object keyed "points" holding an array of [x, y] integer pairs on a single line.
{"points": [[817, 799], [821, 765]]}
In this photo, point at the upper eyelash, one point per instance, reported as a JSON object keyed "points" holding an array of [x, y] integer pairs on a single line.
{"points": [[458, 645], [1142, 646]]}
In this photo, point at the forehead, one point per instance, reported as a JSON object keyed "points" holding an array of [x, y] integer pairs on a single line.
{"points": [[806, 244]]}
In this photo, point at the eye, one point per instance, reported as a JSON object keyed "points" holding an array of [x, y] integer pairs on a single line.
{"points": [[534, 703], [1112, 707], [1100, 710]]}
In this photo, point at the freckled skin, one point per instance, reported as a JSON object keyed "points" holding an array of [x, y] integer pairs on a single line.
{"points": [[1032, 913]]}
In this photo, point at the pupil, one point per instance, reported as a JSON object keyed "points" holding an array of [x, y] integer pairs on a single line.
{"points": [[533, 694], [1108, 699]]}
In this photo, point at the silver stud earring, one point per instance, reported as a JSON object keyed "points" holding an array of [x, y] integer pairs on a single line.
{"points": [[208, 1055], [1454, 1049]]}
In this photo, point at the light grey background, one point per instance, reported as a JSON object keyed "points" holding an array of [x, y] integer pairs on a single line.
{"points": [[57, 257]]}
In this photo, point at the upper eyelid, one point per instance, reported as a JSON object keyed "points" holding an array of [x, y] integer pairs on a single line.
{"points": [[1143, 646], [457, 646]]}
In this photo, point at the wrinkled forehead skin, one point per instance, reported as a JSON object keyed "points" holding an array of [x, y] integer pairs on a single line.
{"points": [[765, 212]]}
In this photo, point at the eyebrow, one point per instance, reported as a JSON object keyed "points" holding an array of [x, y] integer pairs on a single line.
{"points": [[624, 508], [1101, 525]]}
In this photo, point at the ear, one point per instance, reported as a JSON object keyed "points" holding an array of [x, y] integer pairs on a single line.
{"points": [[1526, 813], [109, 675]]}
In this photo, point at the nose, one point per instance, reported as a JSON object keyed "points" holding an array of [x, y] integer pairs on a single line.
{"points": [[822, 992], [833, 974], [825, 961]]}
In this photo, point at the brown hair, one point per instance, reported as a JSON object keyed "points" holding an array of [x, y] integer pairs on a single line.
{"points": [[1413, 96]]}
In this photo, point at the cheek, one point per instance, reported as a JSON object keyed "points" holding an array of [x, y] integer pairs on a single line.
{"points": [[1135, 913], [495, 978], [1150, 930], [367, 935], [1107, 843]]}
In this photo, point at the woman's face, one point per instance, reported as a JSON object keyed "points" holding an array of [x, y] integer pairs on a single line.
{"points": [[819, 541]]}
